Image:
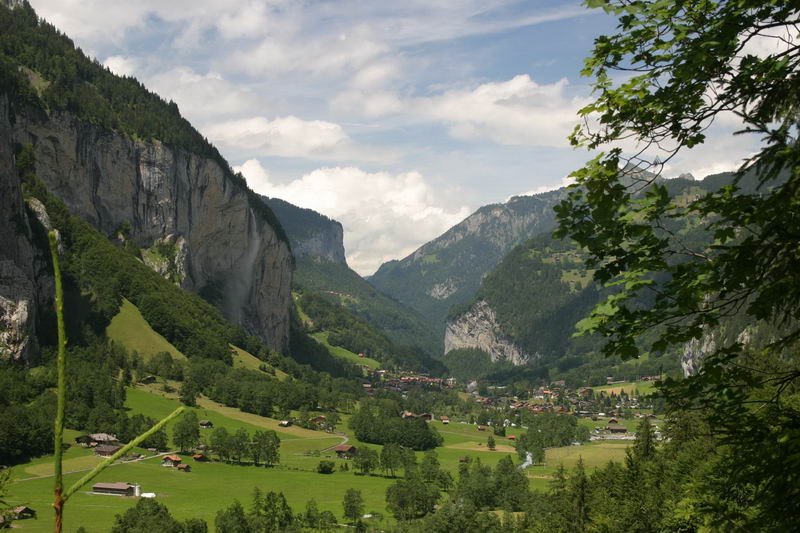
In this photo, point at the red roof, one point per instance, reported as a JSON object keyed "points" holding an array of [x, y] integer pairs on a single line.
{"points": [[173, 458], [344, 448]]}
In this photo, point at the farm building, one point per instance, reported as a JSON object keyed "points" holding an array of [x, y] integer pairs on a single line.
{"points": [[200, 457], [284, 423], [319, 421], [444, 419], [93, 439], [345, 451], [616, 428], [107, 450], [22, 512], [116, 489], [206, 424], [426, 417], [184, 468], [171, 460]]}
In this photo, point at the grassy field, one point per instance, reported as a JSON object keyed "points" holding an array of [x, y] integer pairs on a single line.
{"points": [[322, 337], [212, 486], [131, 330], [244, 359], [644, 387]]}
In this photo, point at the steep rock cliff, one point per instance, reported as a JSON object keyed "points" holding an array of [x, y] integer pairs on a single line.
{"points": [[24, 281], [229, 251], [478, 328], [311, 234]]}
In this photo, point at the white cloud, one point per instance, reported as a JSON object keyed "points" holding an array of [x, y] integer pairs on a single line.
{"points": [[202, 96], [328, 55], [518, 111], [121, 66], [384, 215], [284, 136], [566, 181]]}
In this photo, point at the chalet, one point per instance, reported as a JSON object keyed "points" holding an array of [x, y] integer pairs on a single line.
{"points": [[613, 421], [171, 460], [426, 417], [481, 428], [147, 380], [511, 437], [107, 450], [285, 423], [408, 414], [184, 468], [206, 424], [345, 451], [319, 421], [200, 457], [444, 419], [22, 512], [116, 489], [616, 428]]}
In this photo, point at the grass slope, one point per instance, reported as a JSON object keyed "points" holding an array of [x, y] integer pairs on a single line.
{"points": [[244, 359], [322, 338], [131, 330]]}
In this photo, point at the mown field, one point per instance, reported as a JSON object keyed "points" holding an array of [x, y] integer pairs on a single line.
{"points": [[630, 387]]}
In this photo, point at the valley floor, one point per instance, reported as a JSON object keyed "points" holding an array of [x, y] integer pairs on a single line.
{"points": [[212, 486]]}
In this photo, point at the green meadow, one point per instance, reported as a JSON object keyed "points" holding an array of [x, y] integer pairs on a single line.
{"points": [[130, 329], [338, 351], [643, 387]]}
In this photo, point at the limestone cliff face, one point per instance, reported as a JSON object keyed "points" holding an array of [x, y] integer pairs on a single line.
{"points": [[326, 245], [478, 328], [25, 285], [312, 234], [160, 193]]}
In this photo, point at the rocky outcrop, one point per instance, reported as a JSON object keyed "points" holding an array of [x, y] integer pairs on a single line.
{"points": [[25, 285], [311, 234], [162, 194], [695, 351], [478, 328]]}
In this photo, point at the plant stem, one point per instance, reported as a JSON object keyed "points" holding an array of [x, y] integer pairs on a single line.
{"points": [[58, 501]]}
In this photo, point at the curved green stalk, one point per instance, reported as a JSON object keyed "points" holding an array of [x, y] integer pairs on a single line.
{"points": [[62, 496], [58, 502]]}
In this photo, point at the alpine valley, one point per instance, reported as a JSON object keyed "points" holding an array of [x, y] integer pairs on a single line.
{"points": [[181, 353]]}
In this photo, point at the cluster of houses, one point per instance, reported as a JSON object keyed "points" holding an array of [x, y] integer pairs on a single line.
{"points": [[403, 381], [175, 461], [557, 398]]}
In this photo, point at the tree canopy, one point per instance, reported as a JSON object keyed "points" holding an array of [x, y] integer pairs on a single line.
{"points": [[672, 70]]}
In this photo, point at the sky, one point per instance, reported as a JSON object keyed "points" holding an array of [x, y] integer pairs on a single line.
{"points": [[398, 119]]}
